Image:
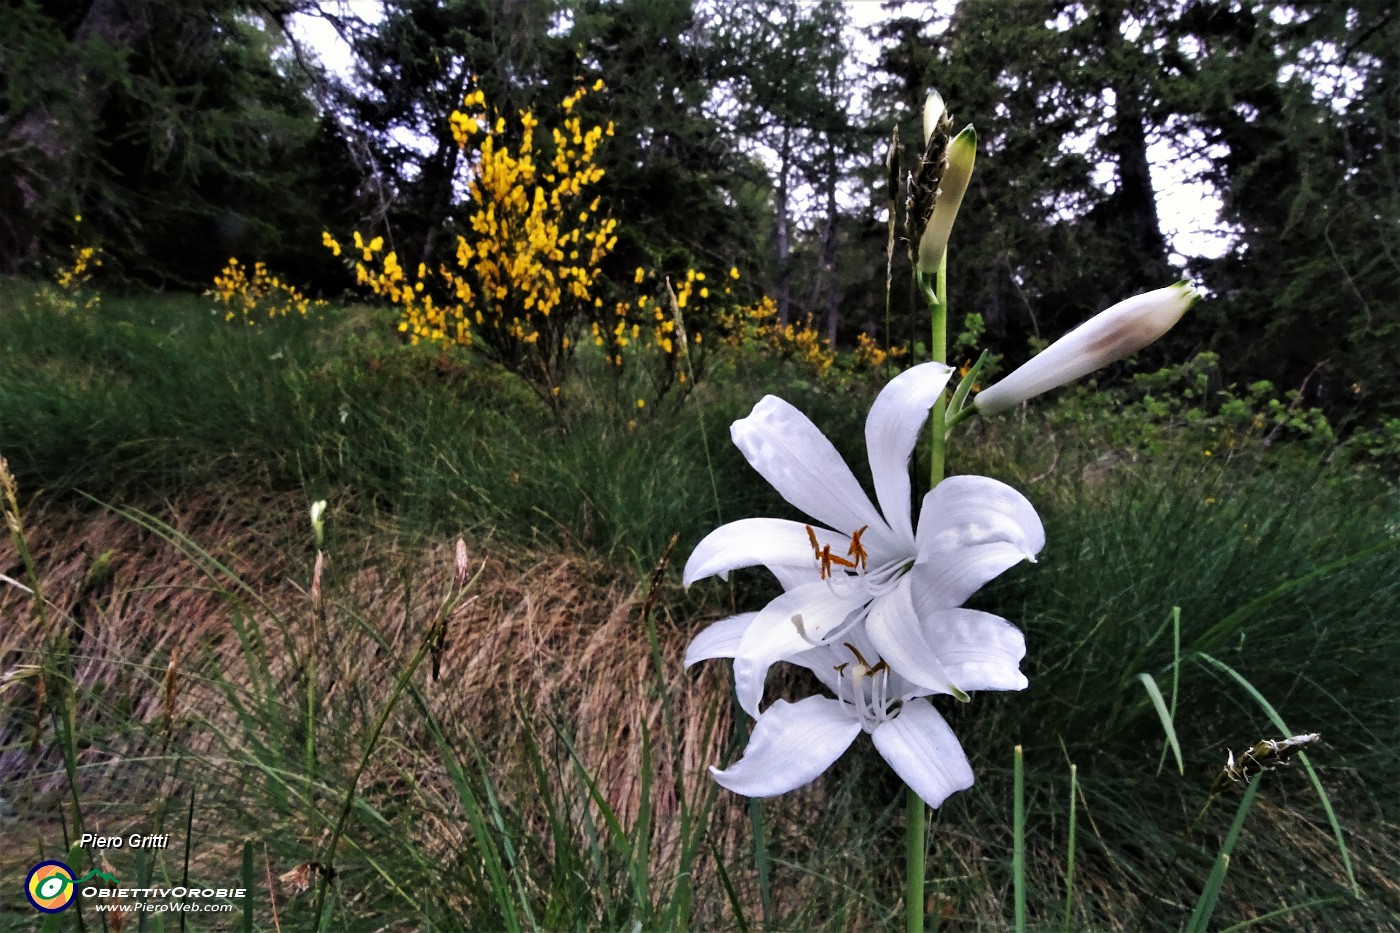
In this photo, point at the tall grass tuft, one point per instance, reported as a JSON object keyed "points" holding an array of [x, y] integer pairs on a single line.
{"points": [[543, 768]]}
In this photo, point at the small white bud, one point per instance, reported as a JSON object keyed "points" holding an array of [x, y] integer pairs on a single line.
{"points": [[1105, 338], [933, 112], [317, 526]]}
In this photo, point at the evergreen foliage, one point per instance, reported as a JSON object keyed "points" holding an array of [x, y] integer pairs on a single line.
{"points": [[185, 134], [179, 133], [1290, 113]]}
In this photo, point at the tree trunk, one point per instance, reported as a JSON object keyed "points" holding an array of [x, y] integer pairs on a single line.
{"points": [[783, 238], [1135, 201], [440, 187], [826, 270]]}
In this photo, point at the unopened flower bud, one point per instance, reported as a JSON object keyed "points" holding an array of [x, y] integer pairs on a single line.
{"points": [[318, 528], [1105, 338], [933, 113], [962, 152]]}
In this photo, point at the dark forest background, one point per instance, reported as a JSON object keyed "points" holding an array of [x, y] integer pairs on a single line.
{"points": [[749, 135]]}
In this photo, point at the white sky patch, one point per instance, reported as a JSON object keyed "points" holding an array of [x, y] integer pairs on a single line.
{"points": [[1188, 209], [1335, 83], [316, 33]]}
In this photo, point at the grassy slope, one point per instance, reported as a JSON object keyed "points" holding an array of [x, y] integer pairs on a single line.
{"points": [[155, 402]]}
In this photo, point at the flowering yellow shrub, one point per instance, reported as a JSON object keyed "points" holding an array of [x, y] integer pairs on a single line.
{"points": [[79, 272], [870, 355], [257, 295], [72, 280], [529, 274], [706, 306], [756, 327]]}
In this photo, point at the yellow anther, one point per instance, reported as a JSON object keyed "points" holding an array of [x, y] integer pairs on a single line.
{"points": [[857, 550], [828, 558]]}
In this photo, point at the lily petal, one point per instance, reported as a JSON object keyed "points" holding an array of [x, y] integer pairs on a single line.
{"points": [[971, 528], [720, 639], [797, 460], [922, 749], [950, 580], [790, 578], [789, 625], [791, 744], [892, 428], [904, 643], [964, 511], [749, 542], [979, 651]]}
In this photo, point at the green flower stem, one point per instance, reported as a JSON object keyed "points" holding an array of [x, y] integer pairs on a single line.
{"points": [[916, 814], [938, 315]]}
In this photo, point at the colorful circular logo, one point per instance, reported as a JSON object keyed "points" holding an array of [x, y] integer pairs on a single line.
{"points": [[50, 887]]}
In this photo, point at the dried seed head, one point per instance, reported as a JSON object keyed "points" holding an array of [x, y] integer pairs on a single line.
{"points": [[10, 489], [459, 559], [298, 880], [171, 687], [1266, 755]]}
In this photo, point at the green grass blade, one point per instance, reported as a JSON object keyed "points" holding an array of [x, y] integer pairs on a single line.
{"points": [[1210, 896], [740, 920], [249, 887], [481, 833], [641, 839], [1176, 676], [1018, 853], [1165, 716], [1281, 912], [1234, 620], [1069, 857]]}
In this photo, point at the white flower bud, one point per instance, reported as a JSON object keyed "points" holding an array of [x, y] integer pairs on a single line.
{"points": [[962, 152], [318, 508], [933, 112], [1105, 338]]}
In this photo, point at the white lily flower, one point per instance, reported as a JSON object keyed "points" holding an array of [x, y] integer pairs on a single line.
{"points": [[1105, 338], [867, 572], [793, 743]]}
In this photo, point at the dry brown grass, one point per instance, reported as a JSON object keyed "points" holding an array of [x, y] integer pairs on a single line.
{"points": [[547, 646]]}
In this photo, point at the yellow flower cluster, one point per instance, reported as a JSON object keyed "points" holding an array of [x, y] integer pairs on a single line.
{"points": [[756, 327], [72, 281], [654, 334], [79, 272], [262, 292], [870, 355], [531, 267]]}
